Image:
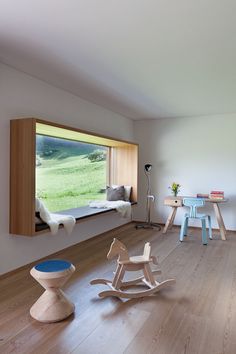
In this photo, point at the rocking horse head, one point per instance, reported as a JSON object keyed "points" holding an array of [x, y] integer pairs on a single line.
{"points": [[118, 249]]}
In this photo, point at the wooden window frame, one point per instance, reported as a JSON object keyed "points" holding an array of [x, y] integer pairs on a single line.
{"points": [[122, 170]]}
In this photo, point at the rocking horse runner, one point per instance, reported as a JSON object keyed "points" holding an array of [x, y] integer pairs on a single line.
{"points": [[126, 263]]}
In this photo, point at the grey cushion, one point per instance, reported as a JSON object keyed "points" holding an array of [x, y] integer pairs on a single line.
{"points": [[117, 193], [127, 191]]}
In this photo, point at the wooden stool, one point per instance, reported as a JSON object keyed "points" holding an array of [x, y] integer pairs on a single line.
{"points": [[53, 305]]}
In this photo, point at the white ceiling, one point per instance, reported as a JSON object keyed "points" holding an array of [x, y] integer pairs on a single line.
{"points": [[140, 58]]}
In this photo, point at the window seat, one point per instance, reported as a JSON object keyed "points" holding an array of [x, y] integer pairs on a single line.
{"points": [[79, 214]]}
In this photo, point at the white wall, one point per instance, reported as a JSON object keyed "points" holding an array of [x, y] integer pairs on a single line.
{"points": [[24, 96], [199, 153]]}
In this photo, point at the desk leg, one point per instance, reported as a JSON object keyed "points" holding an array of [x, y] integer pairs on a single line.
{"points": [[170, 220], [220, 221]]}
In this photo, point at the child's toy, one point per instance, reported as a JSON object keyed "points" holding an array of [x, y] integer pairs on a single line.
{"points": [[126, 263]]}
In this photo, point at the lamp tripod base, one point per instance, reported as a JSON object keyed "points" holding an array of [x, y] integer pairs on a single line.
{"points": [[148, 225]]}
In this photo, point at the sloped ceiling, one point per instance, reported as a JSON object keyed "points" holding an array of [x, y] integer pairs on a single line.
{"points": [[140, 58]]}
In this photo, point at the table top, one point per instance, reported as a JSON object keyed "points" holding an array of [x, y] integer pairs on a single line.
{"points": [[208, 200]]}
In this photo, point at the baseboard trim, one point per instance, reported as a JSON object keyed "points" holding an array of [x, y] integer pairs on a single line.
{"points": [[58, 253], [178, 226]]}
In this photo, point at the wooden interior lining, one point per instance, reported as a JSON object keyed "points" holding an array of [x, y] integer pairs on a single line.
{"points": [[125, 168], [22, 177], [60, 131]]}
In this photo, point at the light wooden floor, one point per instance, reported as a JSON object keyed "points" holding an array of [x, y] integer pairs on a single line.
{"points": [[197, 315]]}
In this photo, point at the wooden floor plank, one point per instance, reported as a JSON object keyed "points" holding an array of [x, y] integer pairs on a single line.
{"points": [[114, 333]]}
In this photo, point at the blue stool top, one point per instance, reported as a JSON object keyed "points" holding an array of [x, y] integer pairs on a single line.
{"points": [[53, 265]]}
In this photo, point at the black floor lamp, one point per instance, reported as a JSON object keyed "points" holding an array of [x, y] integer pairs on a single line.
{"points": [[150, 199]]}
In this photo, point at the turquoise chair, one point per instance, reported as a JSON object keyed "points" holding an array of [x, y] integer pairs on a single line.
{"points": [[193, 204]]}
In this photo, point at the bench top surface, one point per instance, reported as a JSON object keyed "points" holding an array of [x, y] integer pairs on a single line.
{"points": [[78, 213]]}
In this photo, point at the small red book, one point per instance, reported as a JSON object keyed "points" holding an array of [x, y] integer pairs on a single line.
{"points": [[217, 192]]}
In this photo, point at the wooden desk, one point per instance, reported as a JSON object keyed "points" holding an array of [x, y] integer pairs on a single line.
{"points": [[176, 202]]}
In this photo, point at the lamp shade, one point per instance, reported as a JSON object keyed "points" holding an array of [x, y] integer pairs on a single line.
{"points": [[147, 167]]}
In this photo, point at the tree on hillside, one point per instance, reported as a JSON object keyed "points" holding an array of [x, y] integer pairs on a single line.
{"points": [[97, 155]]}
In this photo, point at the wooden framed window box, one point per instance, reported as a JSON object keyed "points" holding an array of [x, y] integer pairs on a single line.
{"points": [[122, 168]]}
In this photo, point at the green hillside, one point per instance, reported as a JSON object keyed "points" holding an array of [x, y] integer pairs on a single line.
{"points": [[70, 182], [66, 177]]}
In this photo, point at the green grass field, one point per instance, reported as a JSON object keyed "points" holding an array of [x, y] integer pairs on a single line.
{"points": [[70, 182]]}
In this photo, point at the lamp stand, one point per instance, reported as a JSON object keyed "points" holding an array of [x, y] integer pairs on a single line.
{"points": [[148, 224]]}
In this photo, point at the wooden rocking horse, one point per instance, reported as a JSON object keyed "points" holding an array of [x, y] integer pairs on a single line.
{"points": [[126, 263]]}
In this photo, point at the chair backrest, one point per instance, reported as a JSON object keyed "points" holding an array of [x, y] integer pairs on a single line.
{"points": [[193, 204]]}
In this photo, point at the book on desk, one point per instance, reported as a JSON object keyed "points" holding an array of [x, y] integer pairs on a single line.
{"points": [[219, 195], [216, 195], [202, 195]]}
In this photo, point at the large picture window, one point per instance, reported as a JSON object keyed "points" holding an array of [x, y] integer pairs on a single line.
{"points": [[73, 166], [69, 173]]}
